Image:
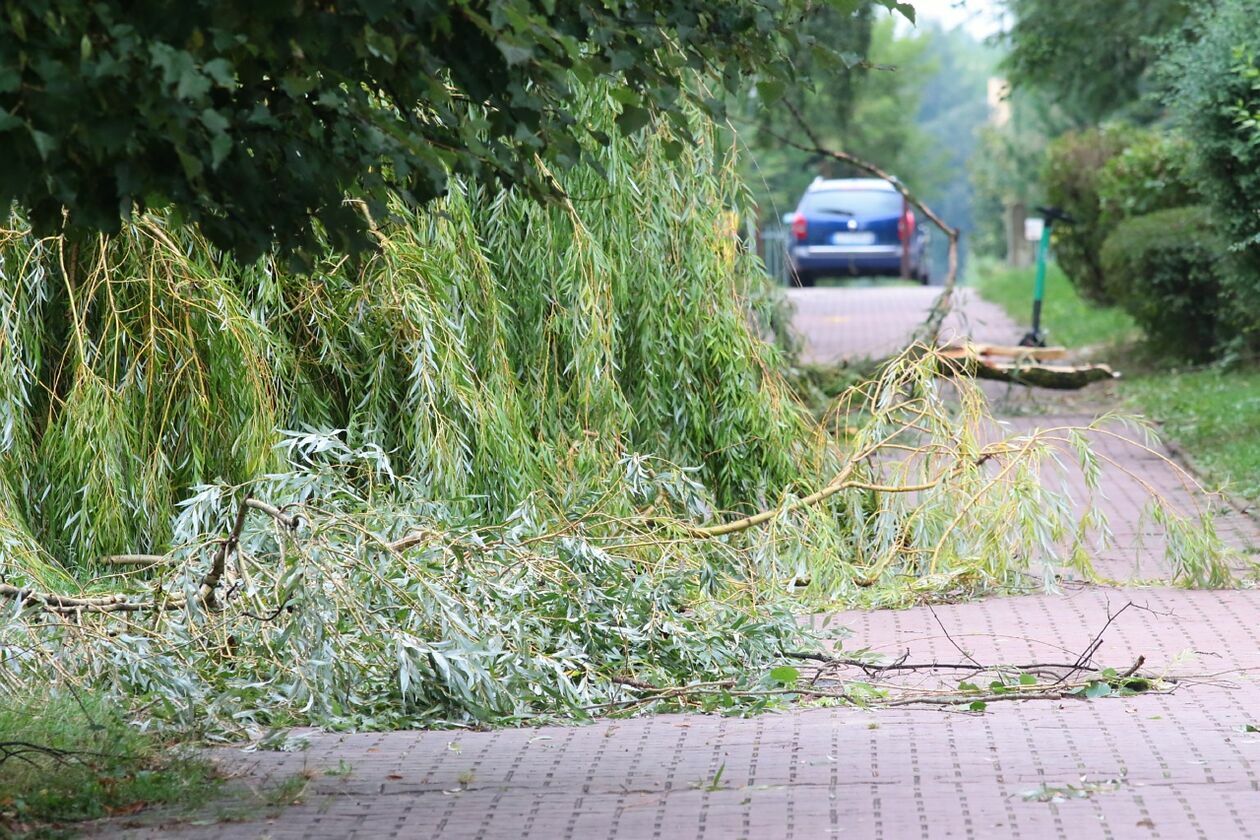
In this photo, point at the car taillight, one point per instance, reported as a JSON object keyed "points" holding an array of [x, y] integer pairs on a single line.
{"points": [[905, 225], [800, 227]]}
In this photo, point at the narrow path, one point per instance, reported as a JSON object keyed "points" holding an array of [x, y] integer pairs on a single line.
{"points": [[1179, 765], [842, 323]]}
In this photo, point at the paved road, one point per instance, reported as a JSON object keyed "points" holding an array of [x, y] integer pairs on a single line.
{"points": [[876, 321], [1179, 765]]}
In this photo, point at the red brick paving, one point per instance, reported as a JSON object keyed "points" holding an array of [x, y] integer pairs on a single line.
{"points": [[877, 321], [1183, 764]]}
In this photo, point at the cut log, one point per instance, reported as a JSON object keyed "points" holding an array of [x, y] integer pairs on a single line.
{"points": [[961, 351], [1057, 377], [134, 559]]}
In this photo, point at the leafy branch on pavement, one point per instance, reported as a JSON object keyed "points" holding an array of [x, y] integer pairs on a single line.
{"points": [[524, 453], [1079, 679]]}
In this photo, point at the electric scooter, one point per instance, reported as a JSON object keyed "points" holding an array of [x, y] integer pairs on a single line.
{"points": [[1050, 215]]}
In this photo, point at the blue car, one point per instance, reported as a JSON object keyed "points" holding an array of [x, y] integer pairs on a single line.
{"points": [[855, 227]]}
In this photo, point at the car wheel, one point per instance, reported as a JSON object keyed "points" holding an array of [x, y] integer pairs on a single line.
{"points": [[803, 278], [924, 276]]}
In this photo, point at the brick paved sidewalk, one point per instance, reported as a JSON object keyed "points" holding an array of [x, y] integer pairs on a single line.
{"points": [[1177, 765], [1167, 766], [877, 321]]}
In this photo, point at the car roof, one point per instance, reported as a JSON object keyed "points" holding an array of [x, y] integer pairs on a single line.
{"points": [[828, 184]]}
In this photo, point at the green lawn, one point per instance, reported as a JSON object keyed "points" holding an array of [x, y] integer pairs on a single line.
{"points": [[1213, 414], [69, 758], [1065, 317]]}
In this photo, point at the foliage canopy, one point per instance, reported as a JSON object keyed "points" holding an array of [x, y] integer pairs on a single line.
{"points": [[1091, 57], [1214, 96], [868, 111], [257, 120], [481, 350]]}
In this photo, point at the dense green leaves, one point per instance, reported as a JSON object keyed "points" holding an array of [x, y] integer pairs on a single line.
{"points": [[1103, 176], [479, 351], [866, 107], [1090, 57], [1154, 172], [1214, 97], [258, 119], [1073, 168], [1164, 269]]}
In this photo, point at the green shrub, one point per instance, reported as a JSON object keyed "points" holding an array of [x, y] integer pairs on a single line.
{"points": [[1163, 268], [1152, 173], [1214, 96], [1072, 173]]}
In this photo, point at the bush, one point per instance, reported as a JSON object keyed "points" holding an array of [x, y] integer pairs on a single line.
{"points": [[1214, 96], [1073, 170], [1163, 268], [1152, 173]]}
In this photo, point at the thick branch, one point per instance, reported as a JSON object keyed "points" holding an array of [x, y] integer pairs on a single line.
{"points": [[1056, 377], [837, 484], [817, 148], [133, 559], [205, 593], [286, 519]]}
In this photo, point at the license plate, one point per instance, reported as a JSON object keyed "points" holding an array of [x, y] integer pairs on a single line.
{"points": [[847, 238]]}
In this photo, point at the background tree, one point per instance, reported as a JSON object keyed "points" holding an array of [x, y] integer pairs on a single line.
{"points": [[1092, 58], [953, 109], [774, 171], [913, 107], [1213, 90], [257, 120], [867, 109]]}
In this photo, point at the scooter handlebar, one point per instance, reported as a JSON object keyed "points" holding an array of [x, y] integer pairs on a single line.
{"points": [[1055, 214]]}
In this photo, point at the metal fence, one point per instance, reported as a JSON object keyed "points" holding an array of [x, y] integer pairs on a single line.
{"points": [[772, 248]]}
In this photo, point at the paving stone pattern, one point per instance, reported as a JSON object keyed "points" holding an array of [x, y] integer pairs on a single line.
{"points": [[1179, 765], [876, 321]]}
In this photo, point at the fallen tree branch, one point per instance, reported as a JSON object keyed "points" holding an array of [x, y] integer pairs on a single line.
{"points": [[1075, 691], [23, 750], [118, 602], [287, 520], [968, 699], [134, 559], [899, 665], [656, 693], [205, 592], [1055, 377], [31, 597], [950, 638], [1128, 672], [1016, 351], [835, 486]]}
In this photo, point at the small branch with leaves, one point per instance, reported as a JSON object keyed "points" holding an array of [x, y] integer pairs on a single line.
{"points": [[1079, 679]]}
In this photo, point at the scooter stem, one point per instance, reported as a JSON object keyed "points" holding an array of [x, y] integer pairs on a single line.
{"points": [[1050, 215], [1039, 288]]}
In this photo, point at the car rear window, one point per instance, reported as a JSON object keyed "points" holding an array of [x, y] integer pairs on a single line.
{"points": [[852, 202]]}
